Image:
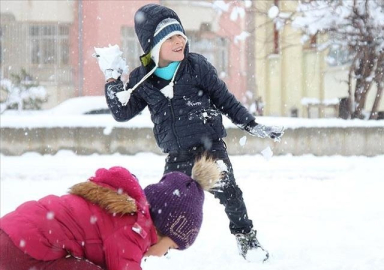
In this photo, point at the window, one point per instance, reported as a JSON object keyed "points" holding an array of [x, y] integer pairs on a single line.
{"points": [[49, 44], [215, 49], [130, 47]]}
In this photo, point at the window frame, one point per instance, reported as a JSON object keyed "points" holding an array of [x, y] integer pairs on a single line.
{"points": [[49, 44]]}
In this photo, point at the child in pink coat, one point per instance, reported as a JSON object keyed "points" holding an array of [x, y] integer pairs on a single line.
{"points": [[108, 222]]}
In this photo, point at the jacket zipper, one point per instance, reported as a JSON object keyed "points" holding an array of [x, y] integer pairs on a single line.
{"points": [[173, 123]]}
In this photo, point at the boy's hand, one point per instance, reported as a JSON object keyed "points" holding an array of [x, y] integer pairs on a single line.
{"points": [[273, 132], [110, 61]]}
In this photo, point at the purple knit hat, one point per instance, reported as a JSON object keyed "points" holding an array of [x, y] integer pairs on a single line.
{"points": [[176, 205]]}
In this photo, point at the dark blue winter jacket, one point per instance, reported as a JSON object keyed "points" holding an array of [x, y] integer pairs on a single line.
{"points": [[194, 115]]}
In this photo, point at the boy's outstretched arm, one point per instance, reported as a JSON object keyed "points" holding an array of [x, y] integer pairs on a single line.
{"points": [[231, 107]]}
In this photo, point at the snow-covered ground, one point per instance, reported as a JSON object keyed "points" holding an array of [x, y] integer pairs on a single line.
{"points": [[310, 212]]}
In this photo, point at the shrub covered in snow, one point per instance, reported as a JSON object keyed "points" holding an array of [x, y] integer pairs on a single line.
{"points": [[22, 93]]}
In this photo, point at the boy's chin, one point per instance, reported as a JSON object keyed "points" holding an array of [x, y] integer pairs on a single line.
{"points": [[179, 58]]}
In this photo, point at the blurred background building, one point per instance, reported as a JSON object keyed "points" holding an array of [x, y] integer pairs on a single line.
{"points": [[268, 69]]}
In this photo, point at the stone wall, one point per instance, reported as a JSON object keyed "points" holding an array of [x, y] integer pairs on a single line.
{"points": [[319, 141]]}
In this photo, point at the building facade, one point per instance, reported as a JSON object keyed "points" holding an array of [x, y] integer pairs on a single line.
{"points": [[266, 68], [290, 75], [54, 41]]}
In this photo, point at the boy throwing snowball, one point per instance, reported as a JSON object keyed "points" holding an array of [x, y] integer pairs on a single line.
{"points": [[186, 99]]}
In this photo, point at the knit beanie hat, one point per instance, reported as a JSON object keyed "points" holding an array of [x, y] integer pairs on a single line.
{"points": [[153, 25], [164, 30], [176, 202]]}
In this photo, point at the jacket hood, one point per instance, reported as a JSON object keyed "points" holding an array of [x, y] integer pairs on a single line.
{"points": [[106, 198], [146, 20], [115, 190]]}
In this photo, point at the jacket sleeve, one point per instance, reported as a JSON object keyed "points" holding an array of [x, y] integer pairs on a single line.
{"points": [[223, 100], [123, 113], [122, 252]]}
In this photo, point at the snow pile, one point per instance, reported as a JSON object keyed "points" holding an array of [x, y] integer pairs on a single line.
{"points": [[315, 101], [23, 95]]}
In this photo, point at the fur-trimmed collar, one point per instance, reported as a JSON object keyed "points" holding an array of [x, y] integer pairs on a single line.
{"points": [[107, 198]]}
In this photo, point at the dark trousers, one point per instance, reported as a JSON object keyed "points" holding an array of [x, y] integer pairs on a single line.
{"points": [[12, 258], [229, 194]]}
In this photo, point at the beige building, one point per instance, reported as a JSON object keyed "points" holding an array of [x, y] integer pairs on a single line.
{"points": [[290, 74]]}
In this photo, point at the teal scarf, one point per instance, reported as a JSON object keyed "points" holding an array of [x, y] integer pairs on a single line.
{"points": [[167, 72]]}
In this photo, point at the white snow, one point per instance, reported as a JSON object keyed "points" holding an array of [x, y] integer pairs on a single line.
{"points": [[273, 12], [241, 37], [339, 17], [28, 120], [176, 192], [310, 101], [20, 94], [311, 213], [236, 13]]}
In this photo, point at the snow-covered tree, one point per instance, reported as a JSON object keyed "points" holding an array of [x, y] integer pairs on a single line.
{"points": [[21, 93], [356, 26]]}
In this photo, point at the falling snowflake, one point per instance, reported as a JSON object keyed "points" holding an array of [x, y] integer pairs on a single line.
{"points": [[22, 243], [267, 153], [93, 219], [243, 140], [50, 215]]}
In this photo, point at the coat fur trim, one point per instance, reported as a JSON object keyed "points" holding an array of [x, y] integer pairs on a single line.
{"points": [[206, 172], [107, 198]]}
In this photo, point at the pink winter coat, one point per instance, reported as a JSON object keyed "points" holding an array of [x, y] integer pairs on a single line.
{"points": [[105, 220]]}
